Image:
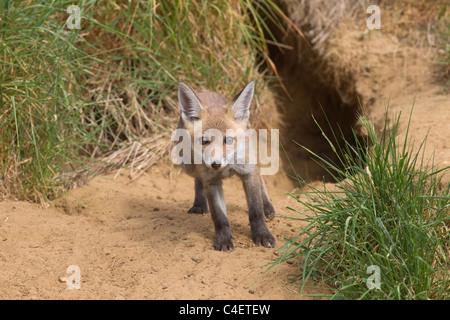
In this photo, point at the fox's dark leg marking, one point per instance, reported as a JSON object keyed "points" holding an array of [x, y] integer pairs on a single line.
{"points": [[216, 202], [261, 235], [200, 202], [269, 211]]}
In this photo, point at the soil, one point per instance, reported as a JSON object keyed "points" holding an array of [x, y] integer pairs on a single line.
{"points": [[133, 239]]}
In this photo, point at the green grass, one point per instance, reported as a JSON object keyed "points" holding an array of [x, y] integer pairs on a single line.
{"points": [[388, 209], [41, 123], [69, 96]]}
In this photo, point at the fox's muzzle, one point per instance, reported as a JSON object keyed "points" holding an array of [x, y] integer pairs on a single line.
{"points": [[216, 165]]}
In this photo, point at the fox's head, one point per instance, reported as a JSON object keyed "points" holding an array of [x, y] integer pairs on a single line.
{"points": [[217, 127]]}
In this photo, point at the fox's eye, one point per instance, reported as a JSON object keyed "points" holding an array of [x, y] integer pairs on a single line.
{"points": [[229, 140], [204, 141]]}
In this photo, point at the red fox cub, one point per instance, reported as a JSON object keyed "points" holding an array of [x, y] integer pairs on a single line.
{"points": [[217, 131]]}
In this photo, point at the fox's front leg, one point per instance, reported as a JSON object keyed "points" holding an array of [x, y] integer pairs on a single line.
{"points": [[253, 187], [216, 202], [200, 203]]}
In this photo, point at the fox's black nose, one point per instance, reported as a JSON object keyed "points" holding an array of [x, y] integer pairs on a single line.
{"points": [[215, 165]]}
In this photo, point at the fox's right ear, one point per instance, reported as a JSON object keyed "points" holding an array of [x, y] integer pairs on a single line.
{"points": [[242, 102], [191, 107]]}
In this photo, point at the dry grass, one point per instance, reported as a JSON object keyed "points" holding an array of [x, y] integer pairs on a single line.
{"points": [[212, 47], [320, 18], [114, 81]]}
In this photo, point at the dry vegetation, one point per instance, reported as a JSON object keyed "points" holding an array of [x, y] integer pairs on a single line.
{"points": [[109, 89]]}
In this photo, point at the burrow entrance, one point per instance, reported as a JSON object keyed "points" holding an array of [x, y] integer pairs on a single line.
{"points": [[313, 95]]}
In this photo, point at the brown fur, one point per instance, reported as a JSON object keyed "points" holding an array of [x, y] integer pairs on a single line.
{"points": [[215, 112]]}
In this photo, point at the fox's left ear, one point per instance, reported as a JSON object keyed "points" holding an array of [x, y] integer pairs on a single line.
{"points": [[241, 103]]}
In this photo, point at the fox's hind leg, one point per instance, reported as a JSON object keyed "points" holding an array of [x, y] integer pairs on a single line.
{"points": [[200, 202], [269, 211]]}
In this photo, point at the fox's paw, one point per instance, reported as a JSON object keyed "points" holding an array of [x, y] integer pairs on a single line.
{"points": [[269, 211], [224, 247], [265, 239], [198, 210], [223, 242]]}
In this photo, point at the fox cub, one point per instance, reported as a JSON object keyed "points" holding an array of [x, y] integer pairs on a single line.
{"points": [[220, 148]]}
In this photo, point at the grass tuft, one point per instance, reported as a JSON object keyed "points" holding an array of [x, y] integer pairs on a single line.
{"points": [[387, 212], [42, 126]]}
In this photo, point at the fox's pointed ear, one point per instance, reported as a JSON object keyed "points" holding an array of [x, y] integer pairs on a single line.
{"points": [[241, 103], [191, 107]]}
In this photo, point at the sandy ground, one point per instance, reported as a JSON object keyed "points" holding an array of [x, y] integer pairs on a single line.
{"points": [[134, 239]]}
